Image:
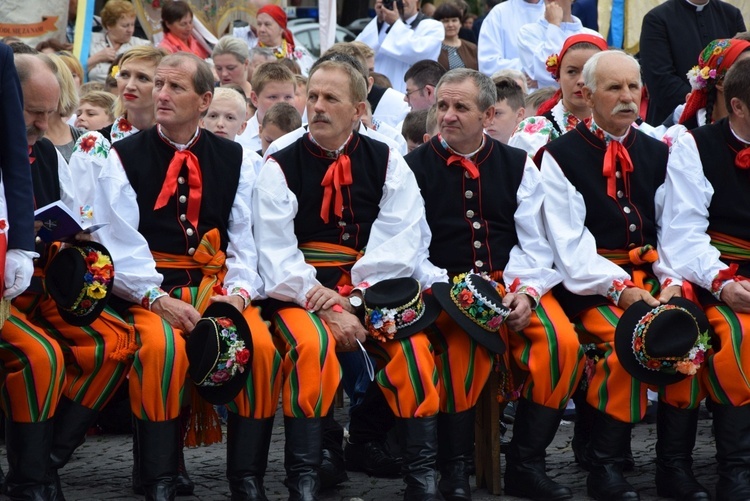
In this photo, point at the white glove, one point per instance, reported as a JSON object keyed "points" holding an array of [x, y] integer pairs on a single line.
{"points": [[19, 267]]}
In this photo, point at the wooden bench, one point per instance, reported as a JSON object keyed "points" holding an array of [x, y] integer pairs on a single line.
{"points": [[487, 437]]}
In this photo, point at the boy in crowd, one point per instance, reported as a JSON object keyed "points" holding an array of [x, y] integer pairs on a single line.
{"points": [[95, 110], [509, 109], [226, 114], [414, 129], [280, 119]]}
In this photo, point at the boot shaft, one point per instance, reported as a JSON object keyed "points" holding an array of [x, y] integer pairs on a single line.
{"points": [[534, 429], [28, 446]]}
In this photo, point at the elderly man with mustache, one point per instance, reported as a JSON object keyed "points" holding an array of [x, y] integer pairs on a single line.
{"points": [[603, 183]]}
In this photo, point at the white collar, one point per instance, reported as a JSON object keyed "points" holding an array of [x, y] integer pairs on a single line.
{"points": [[698, 7]]}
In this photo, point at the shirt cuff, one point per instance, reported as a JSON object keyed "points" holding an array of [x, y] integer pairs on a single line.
{"points": [[718, 286], [239, 291], [616, 289], [531, 292], [152, 295]]}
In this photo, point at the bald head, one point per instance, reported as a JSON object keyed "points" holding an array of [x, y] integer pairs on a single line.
{"points": [[41, 93]]}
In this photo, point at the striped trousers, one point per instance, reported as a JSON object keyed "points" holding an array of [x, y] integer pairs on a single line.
{"points": [[610, 388], [726, 376], [406, 375]]}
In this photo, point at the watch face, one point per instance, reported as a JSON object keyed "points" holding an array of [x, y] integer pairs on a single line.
{"points": [[355, 301]]}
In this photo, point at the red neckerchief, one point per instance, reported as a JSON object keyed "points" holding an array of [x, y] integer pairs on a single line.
{"points": [[462, 160], [339, 174], [615, 151], [195, 181]]}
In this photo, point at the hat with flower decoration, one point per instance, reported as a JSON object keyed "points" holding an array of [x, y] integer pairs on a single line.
{"points": [[396, 308], [79, 279], [475, 303], [713, 63], [662, 345], [219, 351]]}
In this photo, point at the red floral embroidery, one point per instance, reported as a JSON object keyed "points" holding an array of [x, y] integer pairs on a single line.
{"points": [[87, 143], [243, 356], [124, 126], [742, 160]]}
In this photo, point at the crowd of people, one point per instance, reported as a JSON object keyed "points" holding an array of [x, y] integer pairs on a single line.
{"points": [[443, 197]]}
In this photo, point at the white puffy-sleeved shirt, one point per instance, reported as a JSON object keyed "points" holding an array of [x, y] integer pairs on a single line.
{"points": [[497, 48], [539, 40], [399, 46], [117, 204], [394, 248]]}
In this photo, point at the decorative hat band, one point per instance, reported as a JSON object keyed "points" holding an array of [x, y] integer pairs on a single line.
{"points": [[478, 308], [383, 323], [96, 281], [230, 361], [687, 364]]}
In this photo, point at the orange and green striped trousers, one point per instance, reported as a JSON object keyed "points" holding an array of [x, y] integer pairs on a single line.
{"points": [[33, 366], [726, 375]]}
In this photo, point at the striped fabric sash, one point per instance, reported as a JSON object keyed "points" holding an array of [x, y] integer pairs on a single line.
{"points": [[638, 256], [208, 257], [731, 248], [323, 254]]}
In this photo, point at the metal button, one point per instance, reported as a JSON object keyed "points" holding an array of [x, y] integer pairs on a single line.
{"points": [[469, 194], [181, 180], [631, 246], [342, 223], [189, 232], [626, 210], [478, 263], [466, 174], [183, 217], [632, 227], [477, 244], [183, 199], [620, 194], [477, 225], [469, 213], [345, 236], [618, 174], [191, 251]]}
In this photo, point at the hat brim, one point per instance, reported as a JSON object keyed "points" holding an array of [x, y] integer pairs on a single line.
{"points": [[90, 317], [624, 341], [493, 341], [432, 311], [220, 395]]}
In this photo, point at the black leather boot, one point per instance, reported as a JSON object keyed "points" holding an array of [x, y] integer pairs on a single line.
{"points": [[732, 430], [455, 452], [184, 485], [533, 430], [332, 471], [605, 455], [247, 456], [675, 440], [2, 482], [418, 437], [581, 428], [302, 457], [28, 446], [158, 457]]}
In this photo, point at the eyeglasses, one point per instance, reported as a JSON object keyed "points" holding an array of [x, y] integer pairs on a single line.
{"points": [[413, 91]]}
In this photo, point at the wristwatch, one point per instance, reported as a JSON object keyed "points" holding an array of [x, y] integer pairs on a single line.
{"points": [[356, 302]]}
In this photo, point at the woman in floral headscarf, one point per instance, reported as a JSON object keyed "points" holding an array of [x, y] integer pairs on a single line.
{"points": [[272, 32], [566, 107], [705, 104]]}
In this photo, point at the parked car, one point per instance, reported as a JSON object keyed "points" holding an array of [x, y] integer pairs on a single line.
{"points": [[308, 34], [358, 25]]}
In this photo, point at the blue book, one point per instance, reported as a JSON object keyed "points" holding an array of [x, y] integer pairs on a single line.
{"points": [[59, 223]]}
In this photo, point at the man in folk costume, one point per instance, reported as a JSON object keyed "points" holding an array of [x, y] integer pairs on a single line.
{"points": [[704, 236], [311, 240], [483, 202], [32, 362], [177, 201], [603, 231]]}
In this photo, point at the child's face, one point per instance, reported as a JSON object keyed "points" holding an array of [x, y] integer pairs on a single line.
{"points": [[225, 118], [268, 134], [504, 123], [272, 93], [91, 117]]}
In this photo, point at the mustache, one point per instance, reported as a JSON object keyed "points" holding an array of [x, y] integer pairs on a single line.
{"points": [[625, 107], [321, 118], [32, 130]]}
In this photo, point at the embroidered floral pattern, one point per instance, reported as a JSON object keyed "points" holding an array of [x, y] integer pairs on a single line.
{"points": [[239, 291], [96, 281], [615, 291], [152, 295], [529, 291], [383, 323], [707, 73], [122, 128], [232, 359], [484, 311], [688, 365]]}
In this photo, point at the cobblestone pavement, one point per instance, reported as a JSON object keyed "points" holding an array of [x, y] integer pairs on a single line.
{"points": [[101, 468]]}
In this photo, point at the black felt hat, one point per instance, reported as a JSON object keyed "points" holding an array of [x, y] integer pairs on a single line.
{"points": [[396, 308], [79, 279], [662, 345], [474, 302], [219, 350]]}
